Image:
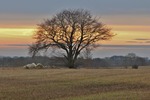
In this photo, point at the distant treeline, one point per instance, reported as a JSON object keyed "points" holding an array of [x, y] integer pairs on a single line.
{"points": [[114, 61], [21, 61]]}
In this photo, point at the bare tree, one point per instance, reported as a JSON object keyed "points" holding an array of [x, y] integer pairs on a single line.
{"points": [[71, 31], [87, 52]]}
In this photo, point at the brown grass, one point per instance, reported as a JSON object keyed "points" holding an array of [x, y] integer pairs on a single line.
{"points": [[74, 84]]}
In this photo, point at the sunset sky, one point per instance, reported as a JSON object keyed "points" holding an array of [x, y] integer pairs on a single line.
{"points": [[129, 19]]}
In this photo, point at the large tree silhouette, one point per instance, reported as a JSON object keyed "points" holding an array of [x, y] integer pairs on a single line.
{"points": [[71, 31]]}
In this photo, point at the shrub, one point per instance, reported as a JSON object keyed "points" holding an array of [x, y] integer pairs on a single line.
{"points": [[135, 66]]}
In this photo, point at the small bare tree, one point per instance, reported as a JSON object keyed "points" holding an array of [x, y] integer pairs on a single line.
{"points": [[71, 31], [87, 52]]}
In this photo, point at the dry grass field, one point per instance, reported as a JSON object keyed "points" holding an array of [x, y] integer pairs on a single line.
{"points": [[74, 84]]}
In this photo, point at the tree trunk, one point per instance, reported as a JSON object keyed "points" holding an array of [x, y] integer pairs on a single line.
{"points": [[71, 58], [71, 62]]}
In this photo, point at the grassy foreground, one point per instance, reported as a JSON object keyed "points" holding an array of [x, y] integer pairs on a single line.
{"points": [[74, 84]]}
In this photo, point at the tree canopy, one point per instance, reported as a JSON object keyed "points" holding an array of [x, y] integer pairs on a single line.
{"points": [[71, 31]]}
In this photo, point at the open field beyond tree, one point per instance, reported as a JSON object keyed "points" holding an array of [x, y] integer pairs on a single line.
{"points": [[74, 84]]}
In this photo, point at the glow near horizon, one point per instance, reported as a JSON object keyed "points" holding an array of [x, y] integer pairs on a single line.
{"points": [[15, 36], [125, 35], [23, 30], [24, 36]]}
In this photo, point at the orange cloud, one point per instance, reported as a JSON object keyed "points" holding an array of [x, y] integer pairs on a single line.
{"points": [[128, 33], [125, 33], [15, 36]]}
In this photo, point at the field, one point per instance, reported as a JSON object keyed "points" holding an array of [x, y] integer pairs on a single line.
{"points": [[74, 84]]}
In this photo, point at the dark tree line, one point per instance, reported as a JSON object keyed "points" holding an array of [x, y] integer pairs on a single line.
{"points": [[120, 61], [114, 61], [21, 61]]}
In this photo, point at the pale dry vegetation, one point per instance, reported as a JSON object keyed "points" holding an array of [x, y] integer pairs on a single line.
{"points": [[74, 84]]}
